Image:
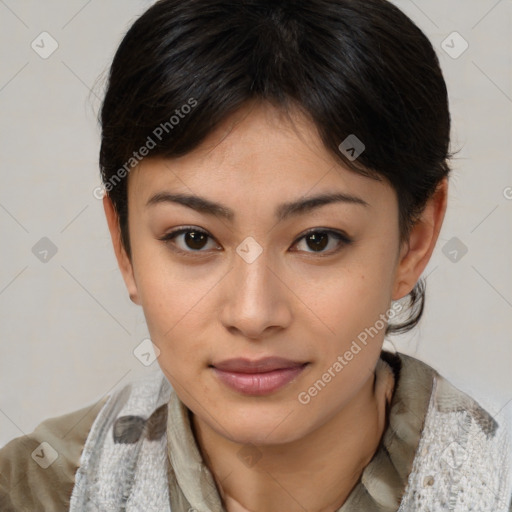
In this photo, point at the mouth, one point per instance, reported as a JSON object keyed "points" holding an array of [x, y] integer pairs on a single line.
{"points": [[267, 364], [257, 377]]}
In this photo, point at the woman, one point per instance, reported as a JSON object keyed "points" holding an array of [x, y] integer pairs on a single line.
{"points": [[276, 179]]}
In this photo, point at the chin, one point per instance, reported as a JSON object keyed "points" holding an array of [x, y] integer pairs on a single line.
{"points": [[261, 428]]}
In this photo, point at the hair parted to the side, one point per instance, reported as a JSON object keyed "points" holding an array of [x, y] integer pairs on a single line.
{"points": [[351, 67]]}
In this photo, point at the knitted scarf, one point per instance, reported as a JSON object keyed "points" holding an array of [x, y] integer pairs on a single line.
{"points": [[463, 461]]}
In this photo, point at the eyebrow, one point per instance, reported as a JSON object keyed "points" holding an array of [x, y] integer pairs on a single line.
{"points": [[283, 211]]}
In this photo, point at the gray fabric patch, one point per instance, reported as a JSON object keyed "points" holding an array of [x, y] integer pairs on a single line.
{"points": [[128, 429]]}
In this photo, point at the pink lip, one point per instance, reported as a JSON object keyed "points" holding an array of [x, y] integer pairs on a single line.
{"points": [[259, 377]]}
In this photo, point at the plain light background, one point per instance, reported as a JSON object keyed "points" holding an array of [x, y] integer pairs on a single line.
{"points": [[68, 330]]}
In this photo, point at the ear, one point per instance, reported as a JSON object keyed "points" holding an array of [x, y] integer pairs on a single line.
{"points": [[123, 260], [416, 252]]}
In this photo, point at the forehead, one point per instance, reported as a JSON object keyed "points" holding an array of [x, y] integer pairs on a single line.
{"points": [[258, 153]]}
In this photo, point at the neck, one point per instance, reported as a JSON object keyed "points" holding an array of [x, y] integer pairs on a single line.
{"points": [[328, 461]]}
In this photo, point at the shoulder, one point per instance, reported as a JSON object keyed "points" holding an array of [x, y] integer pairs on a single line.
{"points": [[37, 470], [464, 453], [489, 415], [446, 399]]}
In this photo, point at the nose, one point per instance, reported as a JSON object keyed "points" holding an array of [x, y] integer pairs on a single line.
{"points": [[257, 298]]}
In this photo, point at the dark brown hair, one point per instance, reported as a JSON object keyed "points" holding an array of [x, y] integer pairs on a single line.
{"points": [[352, 67]]}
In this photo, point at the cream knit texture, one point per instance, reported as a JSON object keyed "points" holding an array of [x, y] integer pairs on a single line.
{"points": [[463, 461]]}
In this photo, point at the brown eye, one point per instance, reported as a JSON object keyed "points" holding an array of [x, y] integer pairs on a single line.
{"points": [[188, 239], [318, 240]]}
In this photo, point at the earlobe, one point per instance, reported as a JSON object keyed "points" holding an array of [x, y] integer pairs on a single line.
{"points": [[125, 265], [417, 250]]}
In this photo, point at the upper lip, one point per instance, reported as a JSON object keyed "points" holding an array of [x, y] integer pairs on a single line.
{"points": [[266, 364]]}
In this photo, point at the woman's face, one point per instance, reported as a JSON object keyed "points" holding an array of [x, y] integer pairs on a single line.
{"points": [[256, 285]]}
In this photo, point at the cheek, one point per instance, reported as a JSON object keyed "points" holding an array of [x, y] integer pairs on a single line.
{"points": [[352, 296], [351, 306], [174, 298], [168, 289]]}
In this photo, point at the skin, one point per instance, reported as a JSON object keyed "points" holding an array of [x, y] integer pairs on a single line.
{"points": [[290, 301]]}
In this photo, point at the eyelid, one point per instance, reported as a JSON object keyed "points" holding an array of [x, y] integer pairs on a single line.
{"points": [[184, 229], [339, 234]]}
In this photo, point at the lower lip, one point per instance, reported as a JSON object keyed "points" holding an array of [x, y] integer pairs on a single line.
{"points": [[258, 384]]}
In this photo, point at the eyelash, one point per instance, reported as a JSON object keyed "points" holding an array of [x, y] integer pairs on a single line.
{"points": [[341, 237]]}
